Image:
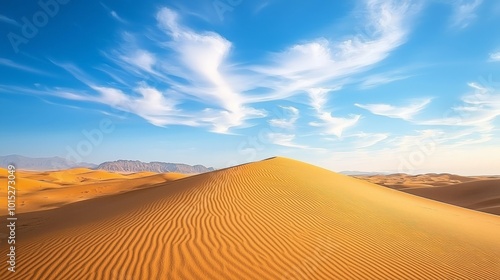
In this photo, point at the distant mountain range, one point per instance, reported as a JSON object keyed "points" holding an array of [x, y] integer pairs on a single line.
{"points": [[127, 166], [159, 167]]}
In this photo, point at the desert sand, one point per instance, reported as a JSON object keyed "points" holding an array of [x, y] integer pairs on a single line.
{"points": [[273, 219], [38, 191], [481, 193], [403, 181]]}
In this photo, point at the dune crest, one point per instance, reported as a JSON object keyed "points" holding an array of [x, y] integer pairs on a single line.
{"points": [[274, 219]]}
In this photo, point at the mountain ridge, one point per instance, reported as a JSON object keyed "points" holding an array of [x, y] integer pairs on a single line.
{"points": [[154, 166]]}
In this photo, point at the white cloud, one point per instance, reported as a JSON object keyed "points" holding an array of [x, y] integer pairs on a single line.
{"points": [[335, 126], [117, 17], [18, 66], [331, 125], [495, 56], [398, 112], [291, 116], [198, 67], [479, 108], [318, 98], [113, 13], [141, 59], [9, 20], [287, 140], [201, 59], [381, 79], [464, 12], [323, 63], [366, 140]]}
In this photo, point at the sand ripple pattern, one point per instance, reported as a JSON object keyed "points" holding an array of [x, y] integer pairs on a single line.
{"points": [[274, 219]]}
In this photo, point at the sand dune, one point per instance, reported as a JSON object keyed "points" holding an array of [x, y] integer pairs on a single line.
{"points": [[403, 181], [38, 191], [79, 175], [481, 195], [274, 219]]}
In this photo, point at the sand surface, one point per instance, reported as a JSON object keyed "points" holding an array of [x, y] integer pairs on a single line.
{"points": [[274, 219], [404, 181], [38, 191], [481, 193]]}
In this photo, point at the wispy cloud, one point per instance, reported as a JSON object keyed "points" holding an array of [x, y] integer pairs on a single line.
{"points": [[406, 112], [261, 6], [322, 62], [9, 20], [495, 56], [18, 66], [331, 125], [376, 80], [366, 140], [201, 59], [479, 108], [464, 12], [142, 59], [287, 140], [117, 17], [198, 68], [113, 13], [288, 122]]}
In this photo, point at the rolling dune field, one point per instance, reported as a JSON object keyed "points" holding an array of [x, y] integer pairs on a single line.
{"points": [[38, 191], [481, 195], [273, 219]]}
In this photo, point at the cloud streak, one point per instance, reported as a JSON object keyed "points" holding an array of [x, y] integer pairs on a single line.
{"points": [[287, 140], [18, 66], [323, 63], [292, 115], [464, 12], [331, 125], [9, 20], [406, 112], [495, 56], [478, 109]]}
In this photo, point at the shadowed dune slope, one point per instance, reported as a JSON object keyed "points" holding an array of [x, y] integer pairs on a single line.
{"points": [[483, 195], [274, 219]]}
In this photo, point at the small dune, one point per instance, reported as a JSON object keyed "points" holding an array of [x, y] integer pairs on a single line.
{"points": [[38, 191], [273, 219], [481, 195], [403, 181]]}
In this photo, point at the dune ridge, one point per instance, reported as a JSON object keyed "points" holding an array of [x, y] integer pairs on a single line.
{"points": [[274, 219]]}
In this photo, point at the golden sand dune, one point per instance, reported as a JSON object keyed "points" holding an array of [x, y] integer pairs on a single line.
{"points": [[482, 195], [403, 181], [142, 174], [79, 175], [46, 190], [274, 219]]}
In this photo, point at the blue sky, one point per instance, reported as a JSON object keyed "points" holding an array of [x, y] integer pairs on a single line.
{"points": [[371, 85]]}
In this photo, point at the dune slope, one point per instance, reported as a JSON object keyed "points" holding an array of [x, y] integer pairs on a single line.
{"points": [[274, 219], [483, 195]]}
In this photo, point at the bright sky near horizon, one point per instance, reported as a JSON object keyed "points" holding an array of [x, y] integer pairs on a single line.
{"points": [[368, 85]]}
